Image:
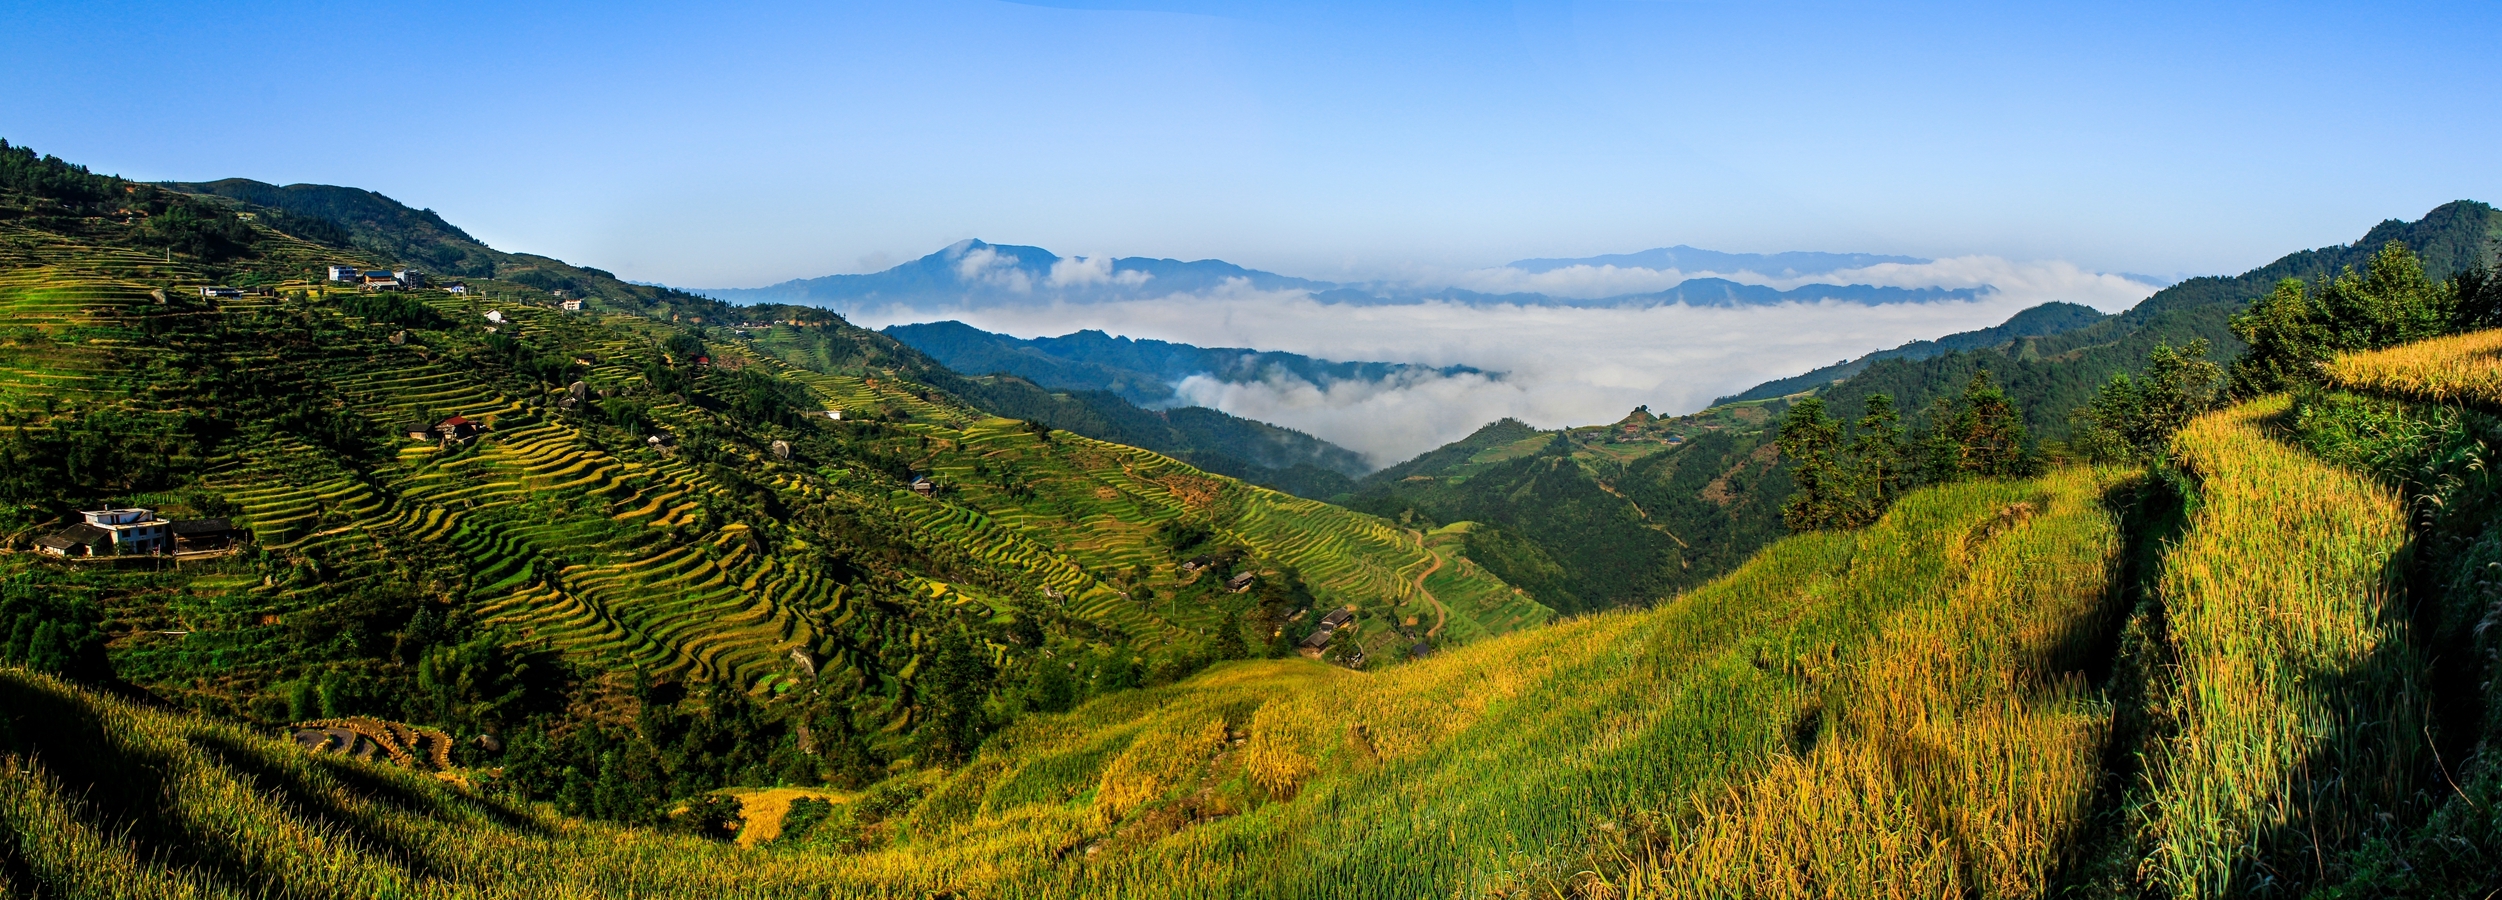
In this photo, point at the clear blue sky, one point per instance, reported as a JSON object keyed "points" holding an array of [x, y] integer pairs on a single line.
{"points": [[724, 144]]}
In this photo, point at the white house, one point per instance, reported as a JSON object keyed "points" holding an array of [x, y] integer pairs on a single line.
{"points": [[132, 530], [572, 305]]}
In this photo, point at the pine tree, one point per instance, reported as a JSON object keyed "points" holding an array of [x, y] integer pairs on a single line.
{"points": [[1877, 460], [1810, 441], [1989, 433]]}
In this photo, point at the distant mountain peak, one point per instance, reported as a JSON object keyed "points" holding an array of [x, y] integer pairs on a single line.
{"points": [[1682, 258]]}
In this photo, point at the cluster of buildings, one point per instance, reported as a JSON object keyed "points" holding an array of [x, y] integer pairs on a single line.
{"points": [[380, 280], [134, 531], [455, 430]]}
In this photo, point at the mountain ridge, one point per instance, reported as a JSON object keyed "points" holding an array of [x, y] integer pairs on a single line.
{"points": [[975, 273]]}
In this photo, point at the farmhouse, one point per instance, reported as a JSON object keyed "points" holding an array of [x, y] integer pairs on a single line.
{"points": [[571, 305], [81, 539], [456, 288], [193, 535], [379, 280], [1240, 583], [221, 292], [452, 430], [1328, 627], [924, 486], [118, 531]]}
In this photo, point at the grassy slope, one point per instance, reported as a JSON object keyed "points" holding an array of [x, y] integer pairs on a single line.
{"points": [[1793, 718], [1601, 516], [602, 550], [2296, 696]]}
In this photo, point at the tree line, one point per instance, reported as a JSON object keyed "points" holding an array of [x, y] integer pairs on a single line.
{"points": [[1847, 474]]}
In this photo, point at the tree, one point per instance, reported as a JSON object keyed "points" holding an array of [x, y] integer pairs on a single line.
{"points": [[1988, 432], [2130, 419], [1810, 442], [950, 691], [2295, 328], [1877, 457]]}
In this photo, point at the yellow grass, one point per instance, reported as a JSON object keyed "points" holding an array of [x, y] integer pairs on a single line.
{"points": [[2464, 367], [1884, 713], [2295, 693]]}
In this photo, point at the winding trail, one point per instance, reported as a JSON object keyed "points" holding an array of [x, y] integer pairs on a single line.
{"points": [[1441, 613]]}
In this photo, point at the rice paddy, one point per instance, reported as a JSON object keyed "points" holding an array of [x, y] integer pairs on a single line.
{"points": [[2464, 367]]}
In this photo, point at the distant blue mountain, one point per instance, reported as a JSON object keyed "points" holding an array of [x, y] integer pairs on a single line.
{"points": [[1143, 372], [983, 273], [974, 274], [1688, 259]]}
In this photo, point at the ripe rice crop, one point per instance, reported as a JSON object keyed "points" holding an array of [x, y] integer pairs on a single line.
{"points": [[2459, 367], [2296, 696], [1891, 712]]}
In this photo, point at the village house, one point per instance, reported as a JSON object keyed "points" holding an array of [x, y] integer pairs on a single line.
{"points": [[377, 279], [456, 288], [221, 292], [1240, 583], [109, 530], [571, 305], [1327, 628], [924, 486], [195, 535], [451, 431]]}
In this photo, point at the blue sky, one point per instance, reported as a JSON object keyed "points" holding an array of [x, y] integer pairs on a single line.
{"points": [[739, 144]]}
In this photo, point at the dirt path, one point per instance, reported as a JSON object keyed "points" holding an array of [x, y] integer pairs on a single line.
{"points": [[1441, 614], [1639, 511]]}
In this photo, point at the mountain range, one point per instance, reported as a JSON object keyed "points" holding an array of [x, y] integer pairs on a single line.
{"points": [[505, 592], [973, 274]]}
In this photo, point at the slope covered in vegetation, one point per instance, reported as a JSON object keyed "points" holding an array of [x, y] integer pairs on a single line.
{"points": [[659, 568], [1739, 735]]}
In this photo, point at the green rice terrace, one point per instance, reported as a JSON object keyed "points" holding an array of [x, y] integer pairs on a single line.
{"points": [[466, 503], [536, 583]]}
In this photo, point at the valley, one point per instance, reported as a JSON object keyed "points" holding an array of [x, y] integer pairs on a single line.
{"points": [[545, 583]]}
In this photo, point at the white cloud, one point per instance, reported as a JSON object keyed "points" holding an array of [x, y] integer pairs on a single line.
{"points": [[2042, 280], [1575, 282], [984, 265], [1075, 271], [1561, 365]]}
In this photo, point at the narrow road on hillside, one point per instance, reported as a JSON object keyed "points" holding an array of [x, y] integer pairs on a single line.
{"points": [[1441, 614]]}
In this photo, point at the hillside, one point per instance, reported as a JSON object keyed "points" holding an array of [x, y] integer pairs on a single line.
{"points": [[2052, 375], [1634, 517], [2040, 321], [657, 542], [2002, 688], [1601, 516], [1141, 371]]}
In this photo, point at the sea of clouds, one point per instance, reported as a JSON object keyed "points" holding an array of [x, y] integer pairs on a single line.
{"points": [[1552, 365]]}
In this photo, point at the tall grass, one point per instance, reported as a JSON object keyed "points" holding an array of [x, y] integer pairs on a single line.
{"points": [[1956, 751], [2459, 367], [2295, 696], [1892, 712]]}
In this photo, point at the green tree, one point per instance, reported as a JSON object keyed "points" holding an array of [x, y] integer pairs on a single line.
{"points": [[1811, 442], [1988, 432], [950, 691], [1877, 459], [2295, 328], [2134, 418]]}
